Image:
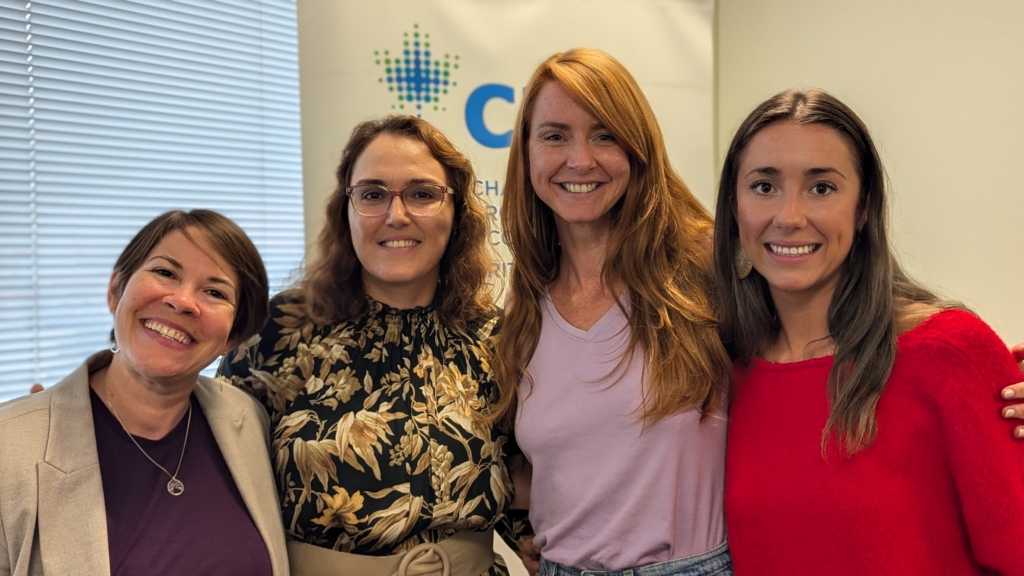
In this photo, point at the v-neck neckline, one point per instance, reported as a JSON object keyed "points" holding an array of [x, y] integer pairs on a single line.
{"points": [[612, 318]]}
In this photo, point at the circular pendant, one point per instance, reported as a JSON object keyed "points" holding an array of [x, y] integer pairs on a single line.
{"points": [[175, 487]]}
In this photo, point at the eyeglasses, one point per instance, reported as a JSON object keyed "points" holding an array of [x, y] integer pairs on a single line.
{"points": [[419, 199]]}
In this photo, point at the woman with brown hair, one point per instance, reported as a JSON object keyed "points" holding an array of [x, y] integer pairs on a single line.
{"points": [[863, 439], [134, 463], [608, 359], [375, 374]]}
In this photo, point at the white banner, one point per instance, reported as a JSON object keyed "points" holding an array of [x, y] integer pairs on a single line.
{"points": [[462, 65]]}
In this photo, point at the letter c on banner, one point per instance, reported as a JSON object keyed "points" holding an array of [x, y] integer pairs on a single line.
{"points": [[475, 114]]}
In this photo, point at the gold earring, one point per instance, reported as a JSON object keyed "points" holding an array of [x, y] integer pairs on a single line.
{"points": [[741, 262]]}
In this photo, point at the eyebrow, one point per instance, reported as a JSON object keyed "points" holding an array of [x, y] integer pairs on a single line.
{"points": [[823, 170], [410, 182], [816, 171], [564, 126], [177, 265]]}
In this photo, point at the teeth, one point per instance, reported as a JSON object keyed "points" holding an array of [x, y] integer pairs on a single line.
{"points": [[399, 243], [169, 333], [578, 188], [792, 250]]}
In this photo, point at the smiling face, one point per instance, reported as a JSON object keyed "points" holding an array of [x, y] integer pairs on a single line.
{"points": [[175, 313], [797, 195], [577, 167], [400, 253]]}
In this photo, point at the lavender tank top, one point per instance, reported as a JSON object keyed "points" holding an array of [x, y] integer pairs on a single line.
{"points": [[606, 494]]}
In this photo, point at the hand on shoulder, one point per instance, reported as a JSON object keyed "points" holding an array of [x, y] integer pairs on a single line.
{"points": [[1015, 393]]}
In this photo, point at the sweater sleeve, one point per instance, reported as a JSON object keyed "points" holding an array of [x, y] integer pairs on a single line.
{"points": [[967, 365]]}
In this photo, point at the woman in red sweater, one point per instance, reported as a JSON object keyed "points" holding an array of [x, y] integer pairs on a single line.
{"points": [[862, 437]]}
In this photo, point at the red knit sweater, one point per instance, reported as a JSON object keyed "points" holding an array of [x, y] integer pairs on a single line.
{"points": [[941, 490]]}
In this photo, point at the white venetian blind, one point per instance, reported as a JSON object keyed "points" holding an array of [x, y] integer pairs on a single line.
{"points": [[112, 112]]}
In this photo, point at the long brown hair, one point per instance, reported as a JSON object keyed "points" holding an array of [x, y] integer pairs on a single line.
{"points": [[331, 285], [872, 290], [658, 248]]}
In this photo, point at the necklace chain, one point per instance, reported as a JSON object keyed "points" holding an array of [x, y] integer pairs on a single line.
{"points": [[174, 486]]}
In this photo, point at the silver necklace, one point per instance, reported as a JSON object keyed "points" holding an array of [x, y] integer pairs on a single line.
{"points": [[174, 486]]}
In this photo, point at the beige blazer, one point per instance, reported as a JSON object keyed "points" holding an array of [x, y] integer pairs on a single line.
{"points": [[52, 513]]}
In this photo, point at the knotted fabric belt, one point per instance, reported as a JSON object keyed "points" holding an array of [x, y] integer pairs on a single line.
{"points": [[467, 553]]}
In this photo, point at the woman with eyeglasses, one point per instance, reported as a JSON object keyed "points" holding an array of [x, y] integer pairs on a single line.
{"points": [[374, 370]]}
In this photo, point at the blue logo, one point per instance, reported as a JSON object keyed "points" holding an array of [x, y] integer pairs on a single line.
{"points": [[475, 114], [417, 76]]}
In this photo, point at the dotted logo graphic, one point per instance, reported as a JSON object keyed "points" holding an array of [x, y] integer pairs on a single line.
{"points": [[416, 75]]}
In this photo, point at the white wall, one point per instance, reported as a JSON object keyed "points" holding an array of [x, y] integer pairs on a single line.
{"points": [[321, 133], [941, 86]]}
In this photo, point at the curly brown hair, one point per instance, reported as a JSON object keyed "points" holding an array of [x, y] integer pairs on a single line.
{"points": [[331, 284]]}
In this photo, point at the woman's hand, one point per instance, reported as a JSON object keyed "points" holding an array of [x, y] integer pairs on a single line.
{"points": [[1016, 392], [530, 555]]}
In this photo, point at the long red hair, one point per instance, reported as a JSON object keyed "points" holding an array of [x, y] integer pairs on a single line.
{"points": [[660, 249]]}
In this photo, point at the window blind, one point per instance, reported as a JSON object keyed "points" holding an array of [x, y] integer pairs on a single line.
{"points": [[112, 112]]}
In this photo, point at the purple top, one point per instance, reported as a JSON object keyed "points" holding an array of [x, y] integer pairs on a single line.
{"points": [[606, 496], [205, 530]]}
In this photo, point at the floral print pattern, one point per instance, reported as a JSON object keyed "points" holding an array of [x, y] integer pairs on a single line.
{"points": [[377, 436]]}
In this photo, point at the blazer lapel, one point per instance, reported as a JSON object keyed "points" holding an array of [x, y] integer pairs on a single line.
{"points": [[72, 513]]}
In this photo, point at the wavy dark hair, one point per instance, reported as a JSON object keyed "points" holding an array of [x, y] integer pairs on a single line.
{"points": [[331, 285], [659, 248], [872, 293]]}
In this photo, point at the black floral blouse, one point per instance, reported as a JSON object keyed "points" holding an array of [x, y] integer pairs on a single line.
{"points": [[377, 443]]}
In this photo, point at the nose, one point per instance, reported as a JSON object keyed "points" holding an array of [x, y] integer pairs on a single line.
{"points": [[791, 214], [183, 301], [397, 213], [581, 157]]}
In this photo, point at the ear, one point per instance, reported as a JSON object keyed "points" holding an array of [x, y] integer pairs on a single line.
{"points": [[231, 344], [733, 197], [113, 298], [862, 219]]}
